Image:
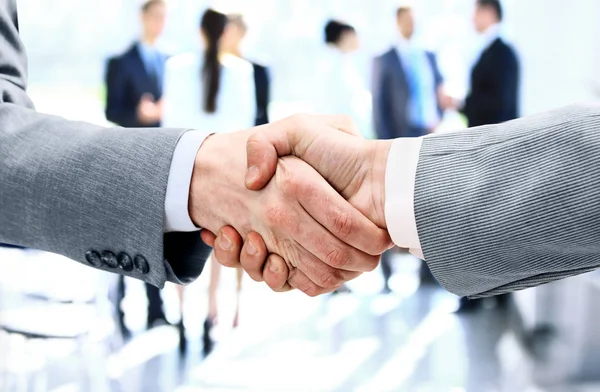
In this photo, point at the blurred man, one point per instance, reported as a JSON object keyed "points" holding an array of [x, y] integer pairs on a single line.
{"points": [[406, 86], [407, 91], [494, 85], [134, 90], [134, 79], [493, 96], [232, 40]]}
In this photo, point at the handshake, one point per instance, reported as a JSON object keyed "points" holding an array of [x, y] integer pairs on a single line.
{"points": [[298, 203]]}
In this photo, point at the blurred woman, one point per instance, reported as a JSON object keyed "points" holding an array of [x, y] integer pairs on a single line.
{"points": [[340, 88], [209, 90]]}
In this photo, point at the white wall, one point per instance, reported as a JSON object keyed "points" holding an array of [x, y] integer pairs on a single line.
{"points": [[559, 45]]}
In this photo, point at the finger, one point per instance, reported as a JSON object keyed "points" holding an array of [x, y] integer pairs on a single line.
{"points": [[227, 247], [276, 273], [315, 269], [347, 239], [254, 256], [298, 280], [208, 237]]}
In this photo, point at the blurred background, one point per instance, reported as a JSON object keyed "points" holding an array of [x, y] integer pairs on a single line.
{"points": [[390, 330]]}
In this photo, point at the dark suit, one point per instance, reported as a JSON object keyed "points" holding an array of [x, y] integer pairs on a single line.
{"points": [[494, 86], [127, 80], [262, 87], [391, 95]]}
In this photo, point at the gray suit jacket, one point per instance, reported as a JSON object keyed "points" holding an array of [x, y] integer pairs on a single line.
{"points": [[93, 194], [509, 206], [391, 95]]}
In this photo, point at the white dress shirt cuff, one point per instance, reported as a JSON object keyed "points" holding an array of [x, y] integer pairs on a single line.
{"points": [[177, 216], [400, 175]]}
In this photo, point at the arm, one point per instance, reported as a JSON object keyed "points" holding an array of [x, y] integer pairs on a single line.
{"points": [[381, 100], [83, 191], [510, 206]]}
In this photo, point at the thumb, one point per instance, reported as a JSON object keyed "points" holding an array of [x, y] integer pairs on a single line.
{"points": [[288, 137], [262, 160]]}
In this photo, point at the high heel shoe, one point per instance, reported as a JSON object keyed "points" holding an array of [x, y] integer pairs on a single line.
{"points": [[182, 339], [208, 343]]}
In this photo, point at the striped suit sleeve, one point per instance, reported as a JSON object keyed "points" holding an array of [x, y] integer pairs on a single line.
{"points": [[505, 207]]}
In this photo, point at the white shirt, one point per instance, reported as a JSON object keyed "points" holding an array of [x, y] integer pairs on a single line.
{"points": [[400, 176], [183, 108]]}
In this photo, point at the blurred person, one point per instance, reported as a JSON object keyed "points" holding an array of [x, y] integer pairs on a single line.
{"points": [[406, 86], [338, 83], [494, 86], [134, 91], [236, 32], [494, 82], [212, 90], [408, 100]]}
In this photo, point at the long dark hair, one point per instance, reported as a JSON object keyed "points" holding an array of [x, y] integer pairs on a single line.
{"points": [[213, 25]]}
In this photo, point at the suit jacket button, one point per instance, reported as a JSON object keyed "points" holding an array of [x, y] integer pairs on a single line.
{"points": [[109, 259], [141, 264], [93, 258], [125, 262]]}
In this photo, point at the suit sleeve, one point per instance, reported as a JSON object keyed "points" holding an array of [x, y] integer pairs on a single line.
{"points": [[93, 194], [116, 88], [381, 101], [500, 90], [505, 207]]}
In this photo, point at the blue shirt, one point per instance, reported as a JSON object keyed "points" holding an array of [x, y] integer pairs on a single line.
{"points": [[153, 60]]}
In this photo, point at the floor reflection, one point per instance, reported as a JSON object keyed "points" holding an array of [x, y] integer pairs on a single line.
{"points": [[409, 340]]}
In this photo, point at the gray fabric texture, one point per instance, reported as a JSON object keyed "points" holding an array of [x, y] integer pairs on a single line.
{"points": [[505, 207]]}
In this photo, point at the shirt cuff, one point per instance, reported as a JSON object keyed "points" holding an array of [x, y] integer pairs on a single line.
{"points": [[177, 216], [400, 176]]}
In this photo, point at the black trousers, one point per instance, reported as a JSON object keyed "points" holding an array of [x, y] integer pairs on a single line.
{"points": [[155, 302]]}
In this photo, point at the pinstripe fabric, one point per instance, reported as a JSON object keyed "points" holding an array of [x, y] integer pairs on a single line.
{"points": [[505, 207]]}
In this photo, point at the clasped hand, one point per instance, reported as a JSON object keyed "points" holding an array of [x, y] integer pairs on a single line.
{"points": [[298, 203]]}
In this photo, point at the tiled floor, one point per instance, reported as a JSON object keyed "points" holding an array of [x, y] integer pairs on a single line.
{"points": [[407, 341]]}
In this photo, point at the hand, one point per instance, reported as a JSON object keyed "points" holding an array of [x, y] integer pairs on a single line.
{"points": [[324, 240], [353, 166], [449, 103], [148, 111]]}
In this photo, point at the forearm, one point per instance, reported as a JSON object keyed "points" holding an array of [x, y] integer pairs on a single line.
{"points": [[73, 188], [510, 206]]}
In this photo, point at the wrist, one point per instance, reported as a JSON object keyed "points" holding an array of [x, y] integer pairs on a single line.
{"points": [[217, 184]]}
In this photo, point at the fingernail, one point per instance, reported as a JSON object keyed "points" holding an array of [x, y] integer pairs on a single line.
{"points": [[225, 242], [252, 174], [251, 249], [273, 268]]}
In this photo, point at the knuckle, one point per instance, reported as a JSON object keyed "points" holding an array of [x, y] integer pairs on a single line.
{"points": [[313, 291], [332, 280], [343, 224], [337, 258]]}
